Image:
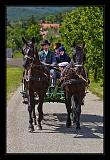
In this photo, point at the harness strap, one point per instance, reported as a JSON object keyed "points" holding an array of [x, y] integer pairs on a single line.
{"points": [[80, 76], [26, 56]]}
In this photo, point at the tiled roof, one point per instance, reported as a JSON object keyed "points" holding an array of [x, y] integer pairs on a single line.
{"points": [[44, 25]]}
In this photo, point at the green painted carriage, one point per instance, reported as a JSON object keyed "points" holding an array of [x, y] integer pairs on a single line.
{"points": [[53, 94]]}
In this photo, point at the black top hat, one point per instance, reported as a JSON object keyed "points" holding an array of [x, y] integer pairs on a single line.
{"points": [[45, 42]]}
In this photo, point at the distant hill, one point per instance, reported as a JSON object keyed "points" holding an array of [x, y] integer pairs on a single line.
{"points": [[17, 13]]}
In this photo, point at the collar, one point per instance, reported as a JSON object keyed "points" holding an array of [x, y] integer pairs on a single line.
{"points": [[46, 52]]}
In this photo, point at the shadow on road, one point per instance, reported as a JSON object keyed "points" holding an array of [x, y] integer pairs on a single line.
{"points": [[91, 125]]}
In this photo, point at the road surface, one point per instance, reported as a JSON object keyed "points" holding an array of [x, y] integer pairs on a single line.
{"points": [[55, 137]]}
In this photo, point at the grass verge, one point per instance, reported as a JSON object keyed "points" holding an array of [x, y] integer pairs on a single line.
{"points": [[14, 76], [17, 55], [96, 88]]}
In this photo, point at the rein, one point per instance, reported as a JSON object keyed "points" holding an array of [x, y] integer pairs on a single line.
{"points": [[79, 75], [26, 56]]}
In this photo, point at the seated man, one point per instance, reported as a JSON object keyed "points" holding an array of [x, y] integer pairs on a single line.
{"points": [[48, 58]]}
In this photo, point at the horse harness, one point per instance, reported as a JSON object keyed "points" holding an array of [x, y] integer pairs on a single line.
{"points": [[29, 77], [68, 82]]}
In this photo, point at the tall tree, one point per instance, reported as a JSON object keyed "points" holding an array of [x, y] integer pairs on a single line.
{"points": [[86, 24]]}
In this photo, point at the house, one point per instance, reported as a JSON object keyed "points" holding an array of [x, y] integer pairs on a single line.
{"points": [[46, 25]]}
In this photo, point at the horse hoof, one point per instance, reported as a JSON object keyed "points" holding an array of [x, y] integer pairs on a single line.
{"points": [[39, 127], [31, 129], [78, 128]]}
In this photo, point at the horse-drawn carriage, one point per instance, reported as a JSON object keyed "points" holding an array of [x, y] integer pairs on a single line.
{"points": [[36, 87], [54, 94]]}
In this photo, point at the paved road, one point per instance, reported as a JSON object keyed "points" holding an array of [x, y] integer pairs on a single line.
{"points": [[15, 62], [55, 137]]}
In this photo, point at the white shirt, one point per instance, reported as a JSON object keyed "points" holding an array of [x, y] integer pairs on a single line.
{"points": [[46, 52]]}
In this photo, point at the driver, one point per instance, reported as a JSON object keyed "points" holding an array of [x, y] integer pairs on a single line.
{"points": [[48, 58]]}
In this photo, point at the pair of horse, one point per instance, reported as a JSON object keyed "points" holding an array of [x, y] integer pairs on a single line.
{"points": [[39, 81]]}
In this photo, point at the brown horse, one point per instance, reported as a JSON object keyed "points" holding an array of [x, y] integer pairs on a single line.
{"points": [[74, 86], [37, 82]]}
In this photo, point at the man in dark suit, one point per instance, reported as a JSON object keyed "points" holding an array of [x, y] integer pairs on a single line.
{"points": [[48, 58]]}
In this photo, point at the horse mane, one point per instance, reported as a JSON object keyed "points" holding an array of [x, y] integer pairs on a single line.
{"points": [[36, 57]]}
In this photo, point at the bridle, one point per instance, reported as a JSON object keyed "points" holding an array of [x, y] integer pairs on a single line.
{"points": [[32, 57], [29, 48]]}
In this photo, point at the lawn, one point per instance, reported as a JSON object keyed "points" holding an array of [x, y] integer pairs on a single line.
{"points": [[96, 88], [17, 55], [14, 77]]}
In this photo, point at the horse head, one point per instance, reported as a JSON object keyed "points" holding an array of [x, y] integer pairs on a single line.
{"points": [[28, 51]]}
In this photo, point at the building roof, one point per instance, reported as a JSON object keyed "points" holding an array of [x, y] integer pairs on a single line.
{"points": [[53, 25]]}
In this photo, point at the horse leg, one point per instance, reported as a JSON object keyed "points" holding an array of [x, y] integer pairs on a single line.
{"points": [[30, 109], [73, 104], [40, 112], [78, 109], [34, 114], [68, 108], [77, 112]]}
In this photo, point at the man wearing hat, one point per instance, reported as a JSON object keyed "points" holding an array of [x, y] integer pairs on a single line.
{"points": [[48, 58]]}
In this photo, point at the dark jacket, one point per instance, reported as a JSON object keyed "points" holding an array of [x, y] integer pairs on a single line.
{"points": [[49, 58], [63, 58]]}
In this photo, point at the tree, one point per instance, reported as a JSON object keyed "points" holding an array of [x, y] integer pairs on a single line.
{"points": [[14, 37], [50, 18], [86, 24], [31, 20], [34, 31]]}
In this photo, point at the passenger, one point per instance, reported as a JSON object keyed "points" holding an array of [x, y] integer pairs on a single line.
{"points": [[63, 56], [62, 60]]}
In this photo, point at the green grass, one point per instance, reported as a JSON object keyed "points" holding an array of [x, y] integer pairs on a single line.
{"points": [[14, 77], [17, 55], [96, 88]]}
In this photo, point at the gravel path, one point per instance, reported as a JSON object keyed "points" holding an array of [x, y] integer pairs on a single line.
{"points": [[55, 137], [15, 62]]}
